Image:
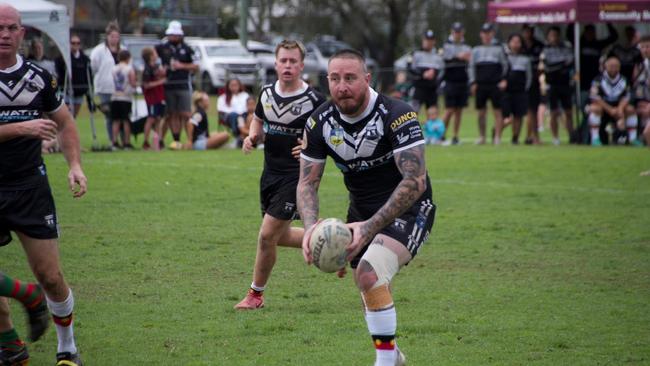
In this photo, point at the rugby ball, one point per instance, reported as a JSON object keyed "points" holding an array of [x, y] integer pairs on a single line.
{"points": [[327, 243]]}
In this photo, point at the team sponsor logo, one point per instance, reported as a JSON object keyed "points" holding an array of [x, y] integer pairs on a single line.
{"points": [[53, 83], [404, 118], [415, 132], [276, 129], [310, 124], [50, 220], [367, 164], [268, 106], [402, 138], [336, 136], [289, 206], [18, 115], [296, 108]]}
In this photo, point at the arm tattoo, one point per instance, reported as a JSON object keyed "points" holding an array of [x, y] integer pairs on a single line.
{"points": [[411, 164], [307, 192]]}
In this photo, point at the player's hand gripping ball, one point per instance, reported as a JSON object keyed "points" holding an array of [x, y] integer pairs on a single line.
{"points": [[327, 243]]}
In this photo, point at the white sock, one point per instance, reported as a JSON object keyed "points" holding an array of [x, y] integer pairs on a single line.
{"points": [[257, 288], [383, 323], [594, 123], [631, 122], [64, 332]]}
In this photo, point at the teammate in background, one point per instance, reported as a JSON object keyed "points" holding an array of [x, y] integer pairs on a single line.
{"points": [[642, 88], [425, 70], [628, 53], [434, 127], [26, 202], [153, 80], [125, 83], [377, 143], [456, 55], [556, 61], [178, 59], [519, 78], [31, 296], [488, 68], [280, 116], [198, 133], [533, 48], [610, 99]]}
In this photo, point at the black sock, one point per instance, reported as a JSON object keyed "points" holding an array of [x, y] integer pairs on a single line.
{"points": [[176, 136]]}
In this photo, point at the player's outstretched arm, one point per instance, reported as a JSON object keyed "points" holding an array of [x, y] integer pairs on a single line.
{"points": [[307, 199], [69, 140], [411, 164]]}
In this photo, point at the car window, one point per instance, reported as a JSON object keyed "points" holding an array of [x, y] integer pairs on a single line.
{"points": [[223, 50]]}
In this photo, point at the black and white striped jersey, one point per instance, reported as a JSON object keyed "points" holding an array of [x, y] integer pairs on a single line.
{"points": [[610, 90], [455, 67], [363, 148], [642, 82], [284, 119], [488, 64], [558, 64], [26, 92]]}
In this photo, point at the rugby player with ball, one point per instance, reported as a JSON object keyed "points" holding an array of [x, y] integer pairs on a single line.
{"points": [[377, 143]]}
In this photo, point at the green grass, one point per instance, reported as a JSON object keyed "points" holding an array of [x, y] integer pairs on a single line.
{"points": [[539, 255]]}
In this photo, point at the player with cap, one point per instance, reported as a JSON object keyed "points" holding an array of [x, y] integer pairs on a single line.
{"points": [[456, 55], [425, 69], [488, 69], [178, 58]]}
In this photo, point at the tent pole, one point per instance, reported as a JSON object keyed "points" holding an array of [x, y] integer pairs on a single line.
{"points": [[576, 45]]}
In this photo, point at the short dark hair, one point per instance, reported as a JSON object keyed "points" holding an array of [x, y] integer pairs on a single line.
{"points": [[123, 55], [147, 53], [350, 54], [554, 28], [645, 38], [289, 45]]}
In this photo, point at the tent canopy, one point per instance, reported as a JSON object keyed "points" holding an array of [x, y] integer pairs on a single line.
{"points": [[50, 18], [569, 11]]}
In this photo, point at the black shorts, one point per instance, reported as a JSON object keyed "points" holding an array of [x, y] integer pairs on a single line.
{"points": [[485, 92], [428, 97], [411, 229], [456, 95], [120, 110], [514, 104], [156, 110], [560, 96], [29, 211], [534, 97], [278, 195]]}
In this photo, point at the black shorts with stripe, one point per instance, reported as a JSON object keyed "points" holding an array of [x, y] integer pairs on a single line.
{"points": [[412, 228], [28, 211]]}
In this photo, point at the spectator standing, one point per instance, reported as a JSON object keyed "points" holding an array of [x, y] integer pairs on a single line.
{"points": [[178, 59], [533, 48], [519, 78], [456, 55], [153, 80], [425, 70], [231, 105], [487, 76], [628, 53], [38, 58], [80, 77], [642, 88], [556, 61], [125, 83], [102, 59]]}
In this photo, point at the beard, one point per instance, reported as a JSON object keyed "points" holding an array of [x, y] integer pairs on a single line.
{"points": [[350, 105]]}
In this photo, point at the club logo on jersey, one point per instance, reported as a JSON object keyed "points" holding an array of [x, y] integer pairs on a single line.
{"points": [[34, 85], [336, 136], [406, 117], [50, 220], [371, 132], [296, 108]]}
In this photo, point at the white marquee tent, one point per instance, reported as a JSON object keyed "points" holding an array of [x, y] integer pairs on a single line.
{"points": [[48, 17]]}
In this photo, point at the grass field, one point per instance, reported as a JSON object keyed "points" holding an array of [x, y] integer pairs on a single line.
{"points": [[539, 255]]}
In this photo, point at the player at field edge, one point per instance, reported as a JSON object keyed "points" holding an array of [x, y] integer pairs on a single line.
{"points": [[280, 115], [378, 144], [27, 204]]}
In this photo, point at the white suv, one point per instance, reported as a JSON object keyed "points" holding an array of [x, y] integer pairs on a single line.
{"points": [[221, 60]]}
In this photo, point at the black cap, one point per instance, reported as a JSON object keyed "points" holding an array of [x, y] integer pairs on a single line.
{"points": [[429, 34], [487, 27], [457, 27]]}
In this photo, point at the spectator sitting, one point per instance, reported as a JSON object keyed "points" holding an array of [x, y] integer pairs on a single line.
{"points": [[434, 127], [232, 104], [246, 120], [125, 83], [610, 98], [153, 80], [197, 126]]}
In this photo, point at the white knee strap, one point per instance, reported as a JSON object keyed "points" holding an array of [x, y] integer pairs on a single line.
{"points": [[383, 261]]}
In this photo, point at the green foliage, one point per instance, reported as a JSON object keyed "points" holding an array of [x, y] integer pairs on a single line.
{"points": [[539, 255]]}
